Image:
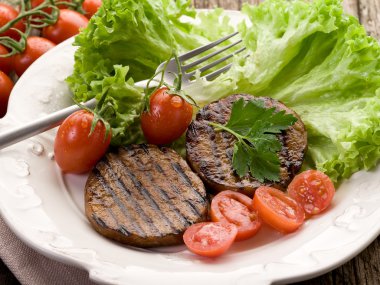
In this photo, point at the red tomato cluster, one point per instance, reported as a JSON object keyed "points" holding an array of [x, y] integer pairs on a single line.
{"points": [[68, 24], [237, 217]]}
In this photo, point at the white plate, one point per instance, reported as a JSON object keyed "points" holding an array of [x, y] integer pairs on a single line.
{"points": [[45, 209]]}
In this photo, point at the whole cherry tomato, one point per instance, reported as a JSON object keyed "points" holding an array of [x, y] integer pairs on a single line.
{"points": [[75, 149], [210, 239], [278, 210], [68, 25], [91, 7], [168, 117], [5, 62], [6, 86], [35, 47], [312, 189], [8, 13], [236, 208]]}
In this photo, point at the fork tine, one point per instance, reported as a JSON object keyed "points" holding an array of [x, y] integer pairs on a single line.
{"points": [[199, 50], [216, 62], [217, 72], [190, 65]]}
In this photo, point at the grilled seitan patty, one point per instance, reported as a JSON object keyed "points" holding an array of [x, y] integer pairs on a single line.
{"points": [[209, 153], [145, 196]]}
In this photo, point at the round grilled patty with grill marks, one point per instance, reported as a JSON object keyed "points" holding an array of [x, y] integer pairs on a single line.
{"points": [[209, 153], [144, 196]]}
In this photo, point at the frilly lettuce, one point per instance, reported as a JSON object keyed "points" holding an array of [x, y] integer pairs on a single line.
{"points": [[310, 55]]}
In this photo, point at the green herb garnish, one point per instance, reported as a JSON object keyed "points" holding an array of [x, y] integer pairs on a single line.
{"points": [[255, 128]]}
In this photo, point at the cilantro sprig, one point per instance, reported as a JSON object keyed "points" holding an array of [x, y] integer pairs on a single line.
{"points": [[255, 128]]}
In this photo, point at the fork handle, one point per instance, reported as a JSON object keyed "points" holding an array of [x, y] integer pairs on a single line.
{"points": [[38, 126], [48, 122]]}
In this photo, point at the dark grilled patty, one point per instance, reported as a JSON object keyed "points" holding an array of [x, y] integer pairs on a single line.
{"points": [[209, 153], [144, 196]]}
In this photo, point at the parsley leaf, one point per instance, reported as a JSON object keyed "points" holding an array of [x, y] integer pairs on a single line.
{"points": [[255, 128]]}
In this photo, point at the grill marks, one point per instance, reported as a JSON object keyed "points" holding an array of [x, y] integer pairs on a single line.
{"points": [[209, 153], [144, 196]]}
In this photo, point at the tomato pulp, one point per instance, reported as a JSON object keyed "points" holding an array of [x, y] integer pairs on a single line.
{"points": [[312, 189], [278, 210], [236, 208], [210, 239]]}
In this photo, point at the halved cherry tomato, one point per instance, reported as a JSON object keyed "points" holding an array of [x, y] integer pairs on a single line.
{"points": [[6, 86], [75, 150], [312, 189], [35, 47], [210, 239], [91, 7], [5, 62], [278, 210], [168, 118], [69, 23], [7, 14], [236, 208]]}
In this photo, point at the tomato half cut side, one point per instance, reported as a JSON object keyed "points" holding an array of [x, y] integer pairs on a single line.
{"points": [[313, 189], [278, 210], [236, 208], [209, 239]]}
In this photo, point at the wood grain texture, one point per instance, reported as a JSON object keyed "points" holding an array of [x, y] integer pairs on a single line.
{"points": [[369, 15], [351, 7]]}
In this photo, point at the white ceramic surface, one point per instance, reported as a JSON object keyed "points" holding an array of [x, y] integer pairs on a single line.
{"points": [[45, 209]]}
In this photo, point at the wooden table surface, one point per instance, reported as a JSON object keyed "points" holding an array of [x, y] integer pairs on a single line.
{"points": [[364, 268]]}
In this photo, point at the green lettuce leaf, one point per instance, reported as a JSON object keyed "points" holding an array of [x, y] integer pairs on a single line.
{"points": [[309, 55], [125, 42], [321, 63]]}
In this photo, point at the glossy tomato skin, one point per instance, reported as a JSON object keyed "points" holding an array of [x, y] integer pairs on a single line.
{"points": [[312, 189], [75, 150], [278, 210], [168, 118], [8, 13], [5, 62], [36, 3], [236, 208], [69, 23], [35, 47], [6, 86], [91, 7], [210, 239]]}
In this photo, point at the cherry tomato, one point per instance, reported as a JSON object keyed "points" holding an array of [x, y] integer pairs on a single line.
{"points": [[278, 210], [210, 239], [68, 25], [36, 3], [8, 13], [5, 62], [91, 7], [168, 118], [236, 208], [6, 86], [35, 47], [75, 150], [313, 190]]}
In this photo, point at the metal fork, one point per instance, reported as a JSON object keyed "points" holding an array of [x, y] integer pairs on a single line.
{"points": [[52, 120]]}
